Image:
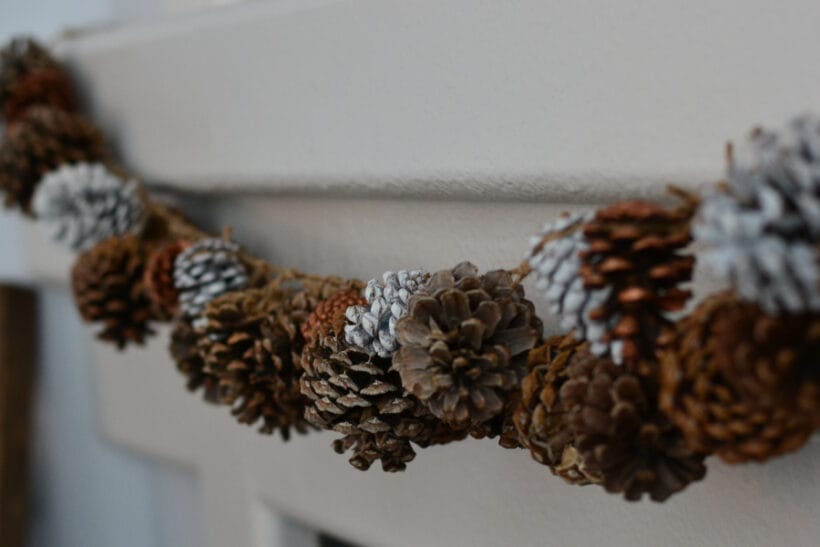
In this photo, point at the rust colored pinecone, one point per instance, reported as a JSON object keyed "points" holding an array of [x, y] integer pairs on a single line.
{"points": [[159, 278], [464, 344], [634, 253], [108, 288], [330, 313], [41, 141], [189, 362], [44, 87], [18, 58], [539, 417], [742, 383]]}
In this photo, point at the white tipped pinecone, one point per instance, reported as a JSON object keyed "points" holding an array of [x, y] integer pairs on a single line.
{"points": [[205, 270], [84, 204], [372, 328], [763, 231], [556, 262]]}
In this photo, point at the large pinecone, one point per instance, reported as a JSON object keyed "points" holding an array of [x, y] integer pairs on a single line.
{"points": [[742, 383], [619, 432], [763, 227], [19, 58], [44, 139], [634, 254], [107, 281], [185, 352], [464, 344], [43, 87]]}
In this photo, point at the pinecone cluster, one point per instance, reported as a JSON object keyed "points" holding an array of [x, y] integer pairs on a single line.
{"points": [[159, 277], [84, 204], [107, 281], [742, 383], [464, 344], [41, 141], [373, 327], [593, 421], [762, 229]]}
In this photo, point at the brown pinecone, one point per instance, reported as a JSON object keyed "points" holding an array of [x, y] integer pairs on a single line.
{"points": [[19, 58], [189, 362], [539, 417], [43, 87], [742, 383], [108, 288], [159, 278], [42, 140], [330, 313], [634, 253], [619, 432], [464, 344]]}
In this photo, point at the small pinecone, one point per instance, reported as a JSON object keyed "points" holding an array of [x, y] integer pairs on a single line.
{"points": [[206, 270], [330, 313], [634, 254], [373, 327], [539, 417], [762, 229], [464, 344], [742, 383], [619, 433], [107, 284], [44, 139], [43, 87], [84, 204], [159, 278], [19, 58], [189, 362]]}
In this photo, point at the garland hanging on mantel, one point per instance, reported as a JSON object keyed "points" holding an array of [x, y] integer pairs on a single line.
{"points": [[634, 397]]}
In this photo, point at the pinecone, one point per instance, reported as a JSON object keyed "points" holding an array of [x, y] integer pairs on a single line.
{"points": [[42, 87], [84, 204], [189, 362], [743, 383], [634, 254], [330, 313], [619, 433], [19, 58], [44, 139], [206, 270], [373, 327], [539, 417], [107, 284], [159, 278], [763, 228], [357, 394], [464, 344]]}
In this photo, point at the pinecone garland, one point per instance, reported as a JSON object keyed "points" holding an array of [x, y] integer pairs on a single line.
{"points": [[44, 139], [84, 204], [159, 277], [742, 383], [763, 228], [373, 327], [19, 58], [464, 344], [107, 285], [185, 352], [42, 87], [206, 270]]}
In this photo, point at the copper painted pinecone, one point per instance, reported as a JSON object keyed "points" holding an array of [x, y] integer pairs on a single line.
{"points": [[634, 252], [619, 432], [108, 288], [43, 87], [539, 417], [159, 278], [42, 140], [18, 58], [189, 362], [742, 383], [464, 344], [330, 313]]}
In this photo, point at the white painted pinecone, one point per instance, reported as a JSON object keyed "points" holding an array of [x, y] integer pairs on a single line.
{"points": [[207, 269], [556, 264], [372, 328], [84, 204], [763, 233]]}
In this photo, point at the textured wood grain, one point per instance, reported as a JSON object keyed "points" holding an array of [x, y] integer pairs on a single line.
{"points": [[17, 348]]}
